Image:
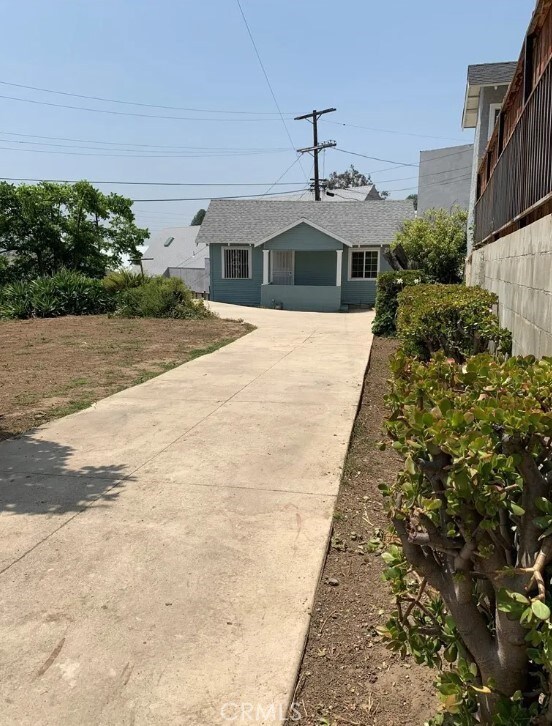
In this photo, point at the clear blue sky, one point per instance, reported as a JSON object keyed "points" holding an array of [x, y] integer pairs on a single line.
{"points": [[397, 65]]}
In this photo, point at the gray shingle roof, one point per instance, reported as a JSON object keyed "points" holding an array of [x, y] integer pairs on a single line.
{"points": [[181, 252], [352, 194], [488, 74], [251, 221]]}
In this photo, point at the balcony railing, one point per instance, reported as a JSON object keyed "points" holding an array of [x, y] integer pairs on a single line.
{"points": [[522, 176], [515, 176]]}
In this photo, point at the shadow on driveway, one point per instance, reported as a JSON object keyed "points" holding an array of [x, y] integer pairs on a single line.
{"points": [[35, 478]]}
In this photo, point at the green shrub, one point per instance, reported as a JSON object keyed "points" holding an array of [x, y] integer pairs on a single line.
{"points": [[435, 243], [160, 297], [118, 280], [390, 284], [65, 293], [455, 319], [472, 512]]}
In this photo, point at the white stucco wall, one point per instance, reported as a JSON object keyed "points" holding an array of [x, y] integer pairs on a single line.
{"points": [[518, 268]]}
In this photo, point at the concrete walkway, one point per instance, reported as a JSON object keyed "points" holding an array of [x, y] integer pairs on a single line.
{"points": [[161, 549]]}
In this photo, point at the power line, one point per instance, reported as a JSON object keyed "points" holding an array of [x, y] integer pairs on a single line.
{"points": [[390, 131], [199, 199], [129, 113], [135, 103], [399, 163], [442, 183], [424, 176], [159, 184], [375, 158], [154, 146], [269, 84], [146, 153], [130, 156], [278, 180]]}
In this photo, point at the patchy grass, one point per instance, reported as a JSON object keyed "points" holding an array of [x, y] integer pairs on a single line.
{"points": [[53, 367], [210, 348]]}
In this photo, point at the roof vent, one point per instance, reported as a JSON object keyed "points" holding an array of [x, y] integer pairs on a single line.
{"points": [[168, 241]]}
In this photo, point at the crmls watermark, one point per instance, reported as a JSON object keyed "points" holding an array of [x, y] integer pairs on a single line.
{"points": [[259, 712]]}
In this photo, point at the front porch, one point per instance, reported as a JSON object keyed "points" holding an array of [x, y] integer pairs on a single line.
{"points": [[302, 280], [315, 298]]}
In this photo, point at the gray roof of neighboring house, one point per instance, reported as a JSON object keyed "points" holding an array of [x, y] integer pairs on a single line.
{"points": [[480, 75], [490, 74], [247, 221], [183, 251], [364, 193]]}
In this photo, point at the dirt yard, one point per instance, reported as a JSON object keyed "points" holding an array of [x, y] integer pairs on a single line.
{"points": [[348, 676], [52, 367]]}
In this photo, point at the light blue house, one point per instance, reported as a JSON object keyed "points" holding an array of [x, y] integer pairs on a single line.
{"points": [[299, 255]]}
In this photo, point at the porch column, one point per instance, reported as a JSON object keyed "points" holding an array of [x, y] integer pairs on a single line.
{"points": [[339, 262], [266, 254]]}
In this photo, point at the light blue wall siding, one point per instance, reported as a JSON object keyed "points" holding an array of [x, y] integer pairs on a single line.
{"points": [[238, 292], [359, 292], [303, 237], [315, 268], [311, 268]]}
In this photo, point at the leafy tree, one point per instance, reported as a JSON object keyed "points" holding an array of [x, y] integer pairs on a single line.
{"points": [[436, 243], [414, 198], [48, 227], [199, 216], [350, 178]]}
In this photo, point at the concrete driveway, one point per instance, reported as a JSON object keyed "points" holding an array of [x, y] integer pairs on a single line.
{"points": [[161, 549]]}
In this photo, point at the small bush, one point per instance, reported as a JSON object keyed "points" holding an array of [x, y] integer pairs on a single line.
{"points": [[390, 284], [455, 319], [160, 297], [65, 293], [119, 280], [472, 513]]}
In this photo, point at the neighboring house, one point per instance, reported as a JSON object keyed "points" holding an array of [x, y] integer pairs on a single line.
{"points": [[299, 255], [485, 90], [445, 178], [174, 252], [512, 252], [351, 194]]}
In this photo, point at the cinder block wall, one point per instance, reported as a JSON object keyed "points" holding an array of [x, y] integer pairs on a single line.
{"points": [[518, 268]]}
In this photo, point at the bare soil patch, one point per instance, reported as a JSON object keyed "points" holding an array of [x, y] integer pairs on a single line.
{"points": [[348, 676], [52, 367]]}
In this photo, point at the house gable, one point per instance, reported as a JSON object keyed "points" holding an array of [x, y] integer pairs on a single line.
{"points": [[302, 235]]}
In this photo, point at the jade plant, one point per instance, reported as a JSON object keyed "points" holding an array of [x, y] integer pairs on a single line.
{"points": [[471, 512]]}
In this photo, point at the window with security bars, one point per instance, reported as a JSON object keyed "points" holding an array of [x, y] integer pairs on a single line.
{"points": [[236, 263], [364, 264]]}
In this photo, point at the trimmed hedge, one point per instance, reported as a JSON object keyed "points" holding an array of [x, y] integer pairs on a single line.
{"points": [[390, 284], [455, 319], [160, 297], [66, 293]]}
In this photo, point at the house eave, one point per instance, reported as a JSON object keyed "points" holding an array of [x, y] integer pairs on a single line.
{"points": [[470, 113]]}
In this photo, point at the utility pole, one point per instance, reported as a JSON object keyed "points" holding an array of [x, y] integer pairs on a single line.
{"points": [[316, 147]]}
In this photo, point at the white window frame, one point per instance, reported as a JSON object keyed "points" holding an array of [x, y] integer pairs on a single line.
{"points": [[350, 278], [493, 108], [223, 262]]}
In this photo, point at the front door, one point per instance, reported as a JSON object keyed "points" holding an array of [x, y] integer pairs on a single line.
{"points": [[282, 267]]}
